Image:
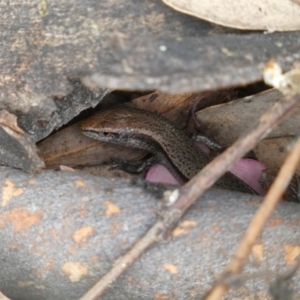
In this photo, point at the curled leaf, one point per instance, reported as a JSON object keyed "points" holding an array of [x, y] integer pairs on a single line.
{"points": [[270, 15]]}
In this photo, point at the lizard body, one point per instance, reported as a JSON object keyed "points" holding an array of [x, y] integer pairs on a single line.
{"points": [[149, 131]]}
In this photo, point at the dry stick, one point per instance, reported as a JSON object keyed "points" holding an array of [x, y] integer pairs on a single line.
{"points": [[125, 261], [189, 193], [259, 220], [216, 168]]}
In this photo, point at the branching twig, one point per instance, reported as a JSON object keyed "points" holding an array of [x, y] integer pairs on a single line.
{"points": [[259, 220], [180, 200]]}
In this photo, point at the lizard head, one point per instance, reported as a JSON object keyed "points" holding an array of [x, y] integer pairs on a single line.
{"points": [[108, 124]]}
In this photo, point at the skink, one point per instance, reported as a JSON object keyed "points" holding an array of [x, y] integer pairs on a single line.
{"points": [[149, 131]]}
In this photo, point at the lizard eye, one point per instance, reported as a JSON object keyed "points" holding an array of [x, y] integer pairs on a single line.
{"points": [[106, 133]]}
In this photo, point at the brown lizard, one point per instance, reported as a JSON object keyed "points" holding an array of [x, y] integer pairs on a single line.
{"points": [[149, 131]]}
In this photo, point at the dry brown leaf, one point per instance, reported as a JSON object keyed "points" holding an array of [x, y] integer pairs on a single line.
{"points": [[270, 15], [272, 152], [173, 107], [296, 1], [2, 297], [69, 147], [10, 120], [227, 122]]}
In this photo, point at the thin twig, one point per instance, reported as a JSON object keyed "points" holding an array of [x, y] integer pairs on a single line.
{"points": [[260, 218], [222, 163], [190, 192], [121, 265]]}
